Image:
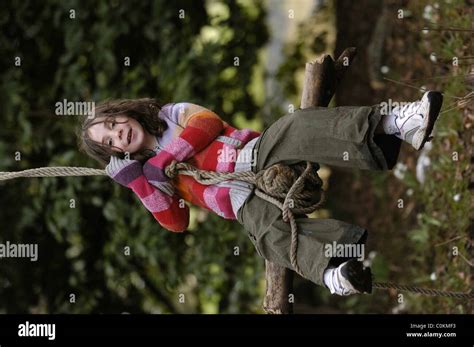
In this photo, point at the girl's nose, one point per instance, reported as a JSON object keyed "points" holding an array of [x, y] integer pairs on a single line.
{"points": [[119, 134]]}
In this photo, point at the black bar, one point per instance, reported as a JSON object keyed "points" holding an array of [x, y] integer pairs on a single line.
{"points": [[374, 328]]}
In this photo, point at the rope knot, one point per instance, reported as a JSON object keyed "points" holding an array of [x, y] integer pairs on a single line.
{"points": [[172, 169]]}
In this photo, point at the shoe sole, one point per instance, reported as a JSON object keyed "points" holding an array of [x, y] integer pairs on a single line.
{"points": [[360, 278], [436, 101]]}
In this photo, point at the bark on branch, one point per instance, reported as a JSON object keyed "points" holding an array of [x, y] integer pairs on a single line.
{"points": [[321, 79]]}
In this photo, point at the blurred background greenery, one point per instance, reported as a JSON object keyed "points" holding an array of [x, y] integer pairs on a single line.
{"points": [[85, 226]]}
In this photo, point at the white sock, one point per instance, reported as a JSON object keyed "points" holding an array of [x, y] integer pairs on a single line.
{"points": [[388, 123], [336, 283], [328, 279]]}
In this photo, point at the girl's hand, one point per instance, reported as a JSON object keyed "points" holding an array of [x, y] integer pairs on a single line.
{"points": [[154, 168], [123, 171]]}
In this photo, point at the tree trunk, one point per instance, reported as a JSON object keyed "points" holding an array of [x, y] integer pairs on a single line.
{"points": [[321, 79]]}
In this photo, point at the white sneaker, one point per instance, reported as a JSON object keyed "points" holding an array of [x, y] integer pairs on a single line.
{"points": [[415, 120]]}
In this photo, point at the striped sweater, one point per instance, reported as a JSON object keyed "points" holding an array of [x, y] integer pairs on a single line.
{"points": [[200, 137]]}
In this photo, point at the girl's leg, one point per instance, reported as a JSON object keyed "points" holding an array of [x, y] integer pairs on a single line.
{"points": [[356, 137], [317, 135], [390, 147], [343, 136], [389, 144], [379, 129], [340, 136], [317, 238]]}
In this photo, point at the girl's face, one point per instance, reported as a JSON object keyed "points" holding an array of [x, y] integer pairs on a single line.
{"points": [[121, 134]]}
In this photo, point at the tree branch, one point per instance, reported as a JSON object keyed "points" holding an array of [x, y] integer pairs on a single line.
{"points": [[321, 79]]}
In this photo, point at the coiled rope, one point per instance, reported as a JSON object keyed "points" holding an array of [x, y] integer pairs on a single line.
{"points": [[294, 190]]}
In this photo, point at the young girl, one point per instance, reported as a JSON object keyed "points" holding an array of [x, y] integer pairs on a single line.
{"points": [[154, 136]]}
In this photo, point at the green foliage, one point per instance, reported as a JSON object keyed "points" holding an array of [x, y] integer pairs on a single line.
{"points": [[82, 249], [443, 223], [314, 37], [427, 242]]}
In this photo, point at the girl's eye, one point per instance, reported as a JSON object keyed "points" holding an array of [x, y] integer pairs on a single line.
{"points": [[111, 122], [111, 127]]}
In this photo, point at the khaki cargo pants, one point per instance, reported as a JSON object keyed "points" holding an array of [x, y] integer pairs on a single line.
{"points": [[341, 136]]}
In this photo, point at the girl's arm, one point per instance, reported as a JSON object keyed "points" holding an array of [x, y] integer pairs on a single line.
{"points": [[165, 208], [200, 127]]}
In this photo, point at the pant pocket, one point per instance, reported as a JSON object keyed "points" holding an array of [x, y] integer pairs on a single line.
{"points": [[253, 239]]}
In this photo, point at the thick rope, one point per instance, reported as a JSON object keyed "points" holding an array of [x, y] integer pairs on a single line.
{"points": [[293, 190], [52, 172], [423, 291]]}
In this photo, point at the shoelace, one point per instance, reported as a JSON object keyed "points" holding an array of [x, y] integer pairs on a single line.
{"points": [[408, 108]]}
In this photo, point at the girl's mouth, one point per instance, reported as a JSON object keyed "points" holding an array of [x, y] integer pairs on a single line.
{"points": [[129, 137]]}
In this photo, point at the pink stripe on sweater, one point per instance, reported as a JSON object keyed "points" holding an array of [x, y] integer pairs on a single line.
{"points": [[241, 134], [225, 204], [180, 149], [224, 159], [157, 201], [210, 198]]}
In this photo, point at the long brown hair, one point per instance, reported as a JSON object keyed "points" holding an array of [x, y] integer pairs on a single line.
{"points": [[145, 111]]}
